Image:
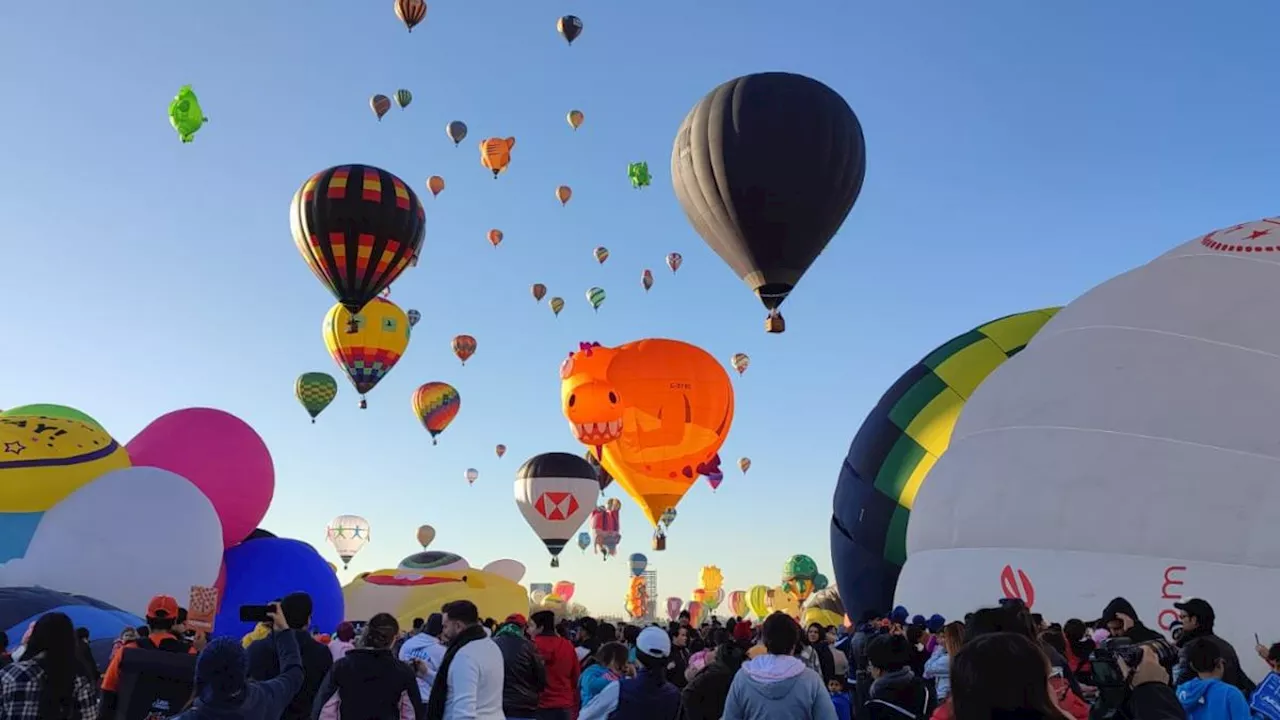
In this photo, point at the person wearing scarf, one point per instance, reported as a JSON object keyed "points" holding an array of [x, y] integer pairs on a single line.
{"points": [[474, 694]]}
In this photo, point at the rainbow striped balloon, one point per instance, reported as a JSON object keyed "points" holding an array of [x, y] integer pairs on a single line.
{"points": [[436, 404]]}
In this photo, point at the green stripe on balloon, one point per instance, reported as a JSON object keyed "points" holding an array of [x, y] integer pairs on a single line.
{"points": [[52, 411]]}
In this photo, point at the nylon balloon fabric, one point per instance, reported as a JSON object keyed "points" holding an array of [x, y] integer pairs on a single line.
{"points": [[767, 167], [897, 446]]}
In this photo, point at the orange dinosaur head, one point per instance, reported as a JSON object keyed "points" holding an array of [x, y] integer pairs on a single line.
{"points": [[590, 403]]}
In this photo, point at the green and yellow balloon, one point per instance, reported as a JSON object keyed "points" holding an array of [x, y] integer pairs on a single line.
{"points": [[315, 390]]}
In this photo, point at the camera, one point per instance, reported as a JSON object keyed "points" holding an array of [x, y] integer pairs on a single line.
{"points": [[1106, 669]]}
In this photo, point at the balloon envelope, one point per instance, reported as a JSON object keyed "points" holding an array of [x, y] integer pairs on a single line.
{"points": [[21, 606], [53, 411], [263, 570], [426, 534]]}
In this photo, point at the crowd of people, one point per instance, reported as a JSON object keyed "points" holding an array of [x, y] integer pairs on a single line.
{"points": [[998, 662]]}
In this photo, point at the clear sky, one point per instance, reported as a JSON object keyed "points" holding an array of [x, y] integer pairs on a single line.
{"points": [[1018, 153]]}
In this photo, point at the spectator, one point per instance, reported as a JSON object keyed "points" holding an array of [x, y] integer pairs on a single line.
{"points": [[1002, 674], [608, 666], [938, 668], [1122, 621], [468, 685], [705, 695], [1197, 618], [777, 685], [264, 657], [678, 662], [343, 641], [49, 683], [85, 654], [1206, 696], [560, 697], [370, 681], [895, 691], [525, 675], [648, 695], [155, 671], [5, 657], [425, 652]]}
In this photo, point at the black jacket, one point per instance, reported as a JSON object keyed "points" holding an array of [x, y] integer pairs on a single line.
{"points": [[370, 684], [898, 695], [1139, 633], [1232, 674], [525, 675], [676, 665], [264, 664], [1155, 701], [703, 698]]}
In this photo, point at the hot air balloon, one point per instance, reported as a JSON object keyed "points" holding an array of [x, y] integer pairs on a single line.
{"points": [[715, 479], [595, 296], [606, 529], [646, 279], [358, 228], [584, 541], [738, 606], [436, 404], [185, 114], [495, 239], [563, 193], [637, 562], [557, 304], [669, 516], [780, 136], [539, 291], [315, 390], [601, 253], [471, 475], [674, 260], [380, 337], [744, 464], [464, 346], [435, 184], [564, 590], [426, 534], [896, 448], [555, 492], [411, 12], [457, 131], [601, 474], [575, 118], [347, 534], [638, 173], [500, 450], [758, 600], [570, 26], [403, 98], [414, 316], [674, 605], [740, 361], [380, 104], [656, 410], [495, 154]]}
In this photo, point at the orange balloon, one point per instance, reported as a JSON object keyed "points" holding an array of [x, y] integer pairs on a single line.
{"points": [[435, 184], [655, 411], [539, 291], [563, 193], [495, 237], [464, 346], [495, 154]]}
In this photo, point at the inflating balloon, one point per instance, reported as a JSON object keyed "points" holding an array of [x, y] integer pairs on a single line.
{"points": [[61, 412], [495, 239], [555, 492], [368, 344], [596, 297], [315, 390], [738, 606], [262, 571], [435, 184], [569, 27], [185, 114], [436, 404], [403, 98], [358, 228], [538, 289], [21, 606], [495, 154], [638, 172], [563, 193], [221, 455], [575, 118], [380, 105], [557, 304], [776, 136], [464, 346], [411, 12], [800, 578]]}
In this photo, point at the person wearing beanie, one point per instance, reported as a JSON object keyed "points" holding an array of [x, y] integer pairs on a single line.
{"points": [[425, 650], [224, 693], [343, 640]]}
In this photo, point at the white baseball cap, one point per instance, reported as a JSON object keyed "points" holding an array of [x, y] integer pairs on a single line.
{"points": [[654, 642]]}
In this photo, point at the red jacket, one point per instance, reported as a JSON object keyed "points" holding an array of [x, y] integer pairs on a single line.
{"points": [[561, 660]]}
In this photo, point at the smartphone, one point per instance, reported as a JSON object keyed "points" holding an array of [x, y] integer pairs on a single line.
{"points": [[1256, 641], [255, 613]]}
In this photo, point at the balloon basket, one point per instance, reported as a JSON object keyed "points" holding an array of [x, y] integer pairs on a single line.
{"points": [[364, 404], [555, 562], [774, 323]]}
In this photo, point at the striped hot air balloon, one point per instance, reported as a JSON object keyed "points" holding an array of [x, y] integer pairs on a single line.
{"points": [[601, 253], [380, 104], [596, 296], [411, 12], [315, 390], [557, 304], [403, 98]]}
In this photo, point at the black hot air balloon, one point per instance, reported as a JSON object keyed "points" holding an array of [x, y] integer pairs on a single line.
{"points": [[570, 27], [358, 228], [766, 167]]}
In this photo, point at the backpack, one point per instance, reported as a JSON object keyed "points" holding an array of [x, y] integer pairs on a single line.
{"points": [[157, 681]]}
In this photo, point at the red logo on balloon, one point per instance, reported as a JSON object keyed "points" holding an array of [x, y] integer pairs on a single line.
{"points": [[556, 505], [1017, 586]]}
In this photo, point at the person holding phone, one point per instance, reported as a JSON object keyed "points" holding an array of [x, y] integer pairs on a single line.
{"points": [[222, 691]]}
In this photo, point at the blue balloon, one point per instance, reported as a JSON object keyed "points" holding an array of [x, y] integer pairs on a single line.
{"points": [[270, 568], [21, 606]]}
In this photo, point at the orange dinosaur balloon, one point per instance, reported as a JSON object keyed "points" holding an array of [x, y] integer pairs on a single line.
{"points": [[655, 411]]}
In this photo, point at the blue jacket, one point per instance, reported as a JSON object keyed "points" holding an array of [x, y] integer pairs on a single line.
{"points": [[260, 700], [843, 704], [1212, 700]]}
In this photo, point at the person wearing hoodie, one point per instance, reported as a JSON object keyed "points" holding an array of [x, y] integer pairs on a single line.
{"points": [[1122, 621], [425, 652], [816, 638], [777, 685], [343, 640], [560, 697], [370, 682], [705, 695], [648, 695], [1207, 696], [896, 693], [223, 690], [264, 661], [1197, 618], [524, 676]]}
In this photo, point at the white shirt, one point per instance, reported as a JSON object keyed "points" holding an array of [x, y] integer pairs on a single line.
{"points": [[475, 683]]}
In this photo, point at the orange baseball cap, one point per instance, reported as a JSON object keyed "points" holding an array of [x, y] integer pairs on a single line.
{"points": [[162, 607]]}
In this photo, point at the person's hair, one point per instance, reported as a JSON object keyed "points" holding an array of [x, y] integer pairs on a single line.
{"points": [[182, 615], [82, 633], [612, 653], [999, 673], [915, 633], [53, 646], [606, 633], [781, 634], [145, 631], [4, 641], [1037, 619], [381, 631], [297, 610], [684, 615], [464, 611], [1273, 653], [888, 653], [730, 654], [674, 632], [1008, 617], [544, 620], [1055, 639], [822, 633], [346, 632], [418, 623], [629, 634], [656, 667], [1078, 639], [1203, 655], [953, 636], [434, 625], [490, 623]]}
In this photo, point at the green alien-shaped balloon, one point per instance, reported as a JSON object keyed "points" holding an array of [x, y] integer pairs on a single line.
{"points": [[185, 114], [639, 174]]}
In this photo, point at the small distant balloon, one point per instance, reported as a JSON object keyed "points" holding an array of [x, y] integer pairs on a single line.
{"points": [[185, 114], [744, 464], [563, 193], [646, 279], [674, 261], [601, 253], [495, 239], [403, 98], [414, 317], [380, 104], [570, 27], [464, 346], [426, 534], [471, 475], [538, 289], [435, 184], [436, 404], [411, 12], [638, 172], [575, 119], [557, 304], [495, 154], [457, 131], [500, 450], [740, 361], [315, 391], [596, 296]]}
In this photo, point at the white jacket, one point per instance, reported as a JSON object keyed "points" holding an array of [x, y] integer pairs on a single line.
{"points": [[475, 683], [430, 651]]}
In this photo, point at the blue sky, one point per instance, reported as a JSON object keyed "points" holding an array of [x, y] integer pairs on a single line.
{"points": [[1018, 153]]}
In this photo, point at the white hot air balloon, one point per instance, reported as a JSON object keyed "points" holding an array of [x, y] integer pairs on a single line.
{"points": [[1150, 406], [556, 492], [471, 475], [347, 534]]}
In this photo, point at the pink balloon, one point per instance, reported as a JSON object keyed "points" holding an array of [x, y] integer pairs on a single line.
{"points": [[220, 454]]}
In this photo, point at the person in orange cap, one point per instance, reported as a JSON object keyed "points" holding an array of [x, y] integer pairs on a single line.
{"points": [[162, 614]]}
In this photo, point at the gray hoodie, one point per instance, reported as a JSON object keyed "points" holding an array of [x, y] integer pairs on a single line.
{"points": [[778, 687]]}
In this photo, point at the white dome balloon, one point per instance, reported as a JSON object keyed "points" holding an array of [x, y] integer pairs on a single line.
{"points": [[123, 538], [1133, 449]]}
